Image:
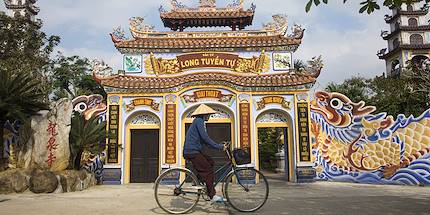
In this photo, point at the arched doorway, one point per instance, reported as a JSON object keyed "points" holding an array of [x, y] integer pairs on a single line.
{"points": [[142, 150], [275, 132], [220, 127], [416, 39]]}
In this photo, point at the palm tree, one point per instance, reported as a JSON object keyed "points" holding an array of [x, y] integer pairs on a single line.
{"points": [[86, 135], [20, 98]]}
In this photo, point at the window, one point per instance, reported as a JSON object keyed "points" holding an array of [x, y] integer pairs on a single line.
{"points": [[416, 39], [409, 8], [413, 22]]}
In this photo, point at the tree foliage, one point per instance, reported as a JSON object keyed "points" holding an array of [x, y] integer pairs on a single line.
{"points": [[393, 95], [368, 6], [26, 49], [269, 143], [20, 97], [71, 77]]}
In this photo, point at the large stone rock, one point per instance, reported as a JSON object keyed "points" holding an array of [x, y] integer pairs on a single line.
{"points": [[6, 182], [20, 181], [48, 144], [43, 182], [77, 180], [14, 180]]}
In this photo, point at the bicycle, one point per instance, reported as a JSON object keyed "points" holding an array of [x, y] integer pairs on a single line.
{"points": [[178, 190]]}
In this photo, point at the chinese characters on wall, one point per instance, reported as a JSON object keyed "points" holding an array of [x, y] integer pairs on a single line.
{"points": [[170, 133], [245, 130], [303, 126], [113, 134], [52, 143]]}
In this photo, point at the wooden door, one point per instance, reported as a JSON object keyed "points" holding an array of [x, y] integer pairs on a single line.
{"points": [[219, 132], [144, 160]]}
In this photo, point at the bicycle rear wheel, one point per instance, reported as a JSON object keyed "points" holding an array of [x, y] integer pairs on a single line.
{"points": [[177, 191], [246, 189]]}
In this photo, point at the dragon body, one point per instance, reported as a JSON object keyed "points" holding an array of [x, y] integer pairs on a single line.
{"points": [[350, 139]]}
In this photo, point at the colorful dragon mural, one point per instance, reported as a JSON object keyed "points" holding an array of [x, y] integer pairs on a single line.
{"points": [[352, 143], [89, 107]]}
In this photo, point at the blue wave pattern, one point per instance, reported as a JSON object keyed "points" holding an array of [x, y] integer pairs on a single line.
{"points": [[417, 173]]}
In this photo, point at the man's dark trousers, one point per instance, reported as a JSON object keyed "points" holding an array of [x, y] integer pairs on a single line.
{"points": [[204, 166]]}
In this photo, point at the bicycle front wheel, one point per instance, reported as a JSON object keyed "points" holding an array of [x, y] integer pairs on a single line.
{"points": [[246, 189], [177, 191]]}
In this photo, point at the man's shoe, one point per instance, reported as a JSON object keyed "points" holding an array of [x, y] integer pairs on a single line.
{"points": [[218, 199]]}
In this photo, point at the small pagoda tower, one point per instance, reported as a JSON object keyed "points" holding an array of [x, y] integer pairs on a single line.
{"points": [[25, 8], [408, 38]]}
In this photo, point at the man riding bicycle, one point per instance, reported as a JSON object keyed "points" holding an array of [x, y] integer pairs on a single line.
{"points": [[194, 139]]}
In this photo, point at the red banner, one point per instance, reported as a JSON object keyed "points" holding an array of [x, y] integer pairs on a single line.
{"points": [[245, 129], [171, 133]]}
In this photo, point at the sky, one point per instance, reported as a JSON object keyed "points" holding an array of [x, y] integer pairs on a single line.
{"points": [[348, 41]]}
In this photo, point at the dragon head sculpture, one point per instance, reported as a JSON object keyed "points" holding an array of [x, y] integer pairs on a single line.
{"points": [[89, 106], [339, 110]]}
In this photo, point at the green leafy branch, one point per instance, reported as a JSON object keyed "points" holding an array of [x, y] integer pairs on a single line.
{"points": [[368, 6]]}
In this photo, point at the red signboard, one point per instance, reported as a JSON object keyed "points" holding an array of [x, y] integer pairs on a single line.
{"points": [[171, 133], [245, 129]]}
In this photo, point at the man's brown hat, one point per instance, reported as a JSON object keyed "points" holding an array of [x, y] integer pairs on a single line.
{"points": [[203, 109]]}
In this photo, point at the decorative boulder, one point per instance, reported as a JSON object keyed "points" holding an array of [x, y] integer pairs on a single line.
{"points": [[43, 182], [13, 180], [48, 143], [77, 180], [19, 182]]}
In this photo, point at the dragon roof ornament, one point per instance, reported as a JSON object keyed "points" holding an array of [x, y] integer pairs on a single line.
{"points": [[118, 34], [298, 32], [279, 24], [207, 3], [138, 24], [315, 65]]}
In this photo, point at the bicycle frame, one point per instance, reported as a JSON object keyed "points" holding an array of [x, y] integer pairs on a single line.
{"points": [[224, 171]]}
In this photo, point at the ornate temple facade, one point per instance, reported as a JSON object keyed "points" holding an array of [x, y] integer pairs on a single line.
{"points": [[408, 38], [247, 76]]}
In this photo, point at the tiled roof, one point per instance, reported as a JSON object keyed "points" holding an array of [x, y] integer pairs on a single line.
{"points": [[406, 28], [404, 47], [197, 43], [206, 14], [390, 19], [280, 80]]}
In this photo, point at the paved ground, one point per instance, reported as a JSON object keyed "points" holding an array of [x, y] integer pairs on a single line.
{"points": [[285, 198]]}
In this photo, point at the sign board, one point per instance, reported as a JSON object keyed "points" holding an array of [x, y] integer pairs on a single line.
{"points": [[143, 101], [303, 126], [245, 130], [233, 62], [112, 153], [273, 100], [170, 133]]}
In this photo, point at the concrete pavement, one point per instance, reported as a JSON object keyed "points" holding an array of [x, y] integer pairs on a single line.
{"points": [[284, 198]]}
